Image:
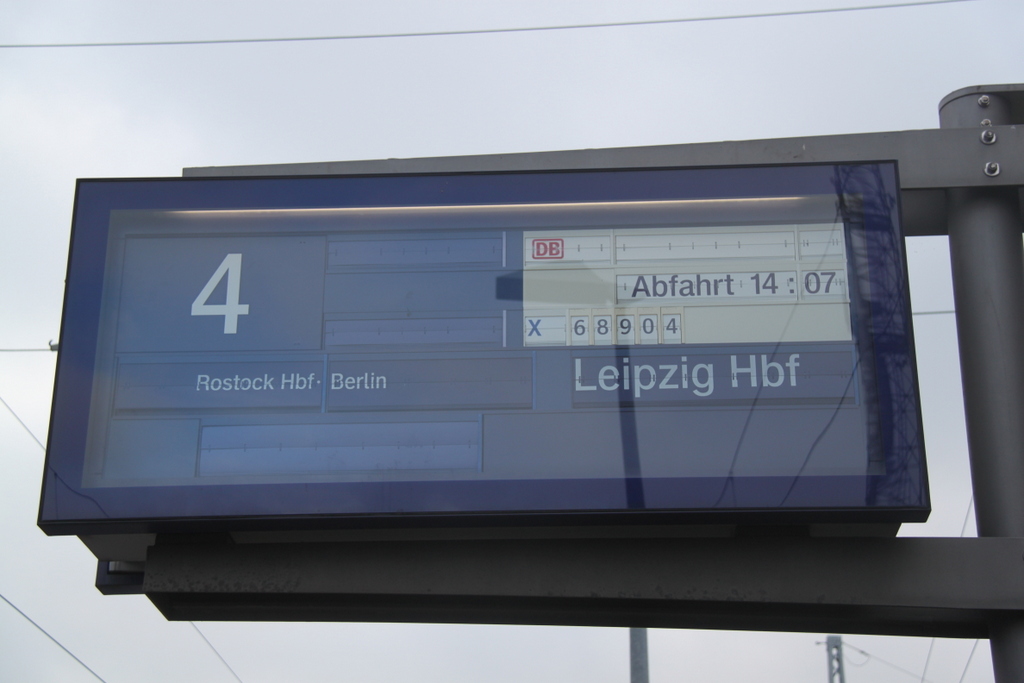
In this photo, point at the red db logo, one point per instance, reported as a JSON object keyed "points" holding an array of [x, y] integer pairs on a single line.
{"points": [[548, 249]]}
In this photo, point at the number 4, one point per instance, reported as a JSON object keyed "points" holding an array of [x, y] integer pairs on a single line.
{"points": [[230, 309]]}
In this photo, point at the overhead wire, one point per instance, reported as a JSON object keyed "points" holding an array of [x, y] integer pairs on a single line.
{"points": [[882, 661], [485, 31], [969, 657], [23, 425], [931, 646], [53, 471], [48, 635], [967, 516], [847, 659], [207, 640], [219, 656]]}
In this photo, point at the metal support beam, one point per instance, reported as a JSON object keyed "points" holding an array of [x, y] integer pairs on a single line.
{"points": [[928, 159], [988, 285], [929, 162], [946, 587]]}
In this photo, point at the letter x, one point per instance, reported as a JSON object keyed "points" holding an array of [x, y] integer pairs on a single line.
{"points": [[534, 327]]}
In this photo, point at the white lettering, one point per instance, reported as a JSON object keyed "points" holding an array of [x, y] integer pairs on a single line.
{"points": [[580, 386], [766, 370], [750, 370], [664, 381], [608, 372], [638, 379], [367, 380], [707, 385], [793, 364]]}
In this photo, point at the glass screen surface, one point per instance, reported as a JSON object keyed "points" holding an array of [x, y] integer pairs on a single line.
{"points": [[660, 342]]}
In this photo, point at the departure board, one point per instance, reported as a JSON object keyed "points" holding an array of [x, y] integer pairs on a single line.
{"points": [[646, 345]]}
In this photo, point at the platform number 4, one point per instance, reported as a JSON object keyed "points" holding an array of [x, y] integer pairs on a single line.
{"points": [[231, 266]]}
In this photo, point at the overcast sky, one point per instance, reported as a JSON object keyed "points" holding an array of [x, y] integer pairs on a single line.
{"points": [[68, 113]]}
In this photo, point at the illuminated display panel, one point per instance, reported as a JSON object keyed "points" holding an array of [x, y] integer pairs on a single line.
{"points": [[643, 345]]}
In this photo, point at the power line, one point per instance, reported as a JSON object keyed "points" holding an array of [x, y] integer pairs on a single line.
{"points": [[969, 657], [24, 426], [52, 346], [207, 640], [222, 660], [51, 469], [967, 516], [928, 659], [882, 661], [467, 32], [47, 634], [13, 606]]}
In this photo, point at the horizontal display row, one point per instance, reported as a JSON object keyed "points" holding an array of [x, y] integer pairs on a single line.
{"points": [[625, 329], [671, 244]]}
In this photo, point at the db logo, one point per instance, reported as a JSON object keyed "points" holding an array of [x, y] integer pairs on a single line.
{"points": [[548, 249]]}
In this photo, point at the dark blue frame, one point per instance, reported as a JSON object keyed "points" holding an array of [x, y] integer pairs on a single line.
{"points": [[885, 342]]}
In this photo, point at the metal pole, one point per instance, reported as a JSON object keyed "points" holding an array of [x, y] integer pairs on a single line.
{"points": [[638, 655], [988, 284]]}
